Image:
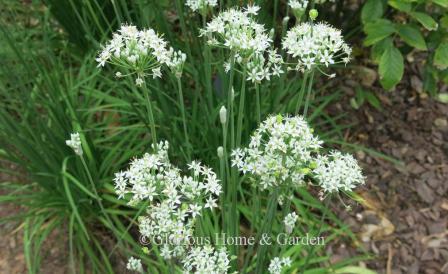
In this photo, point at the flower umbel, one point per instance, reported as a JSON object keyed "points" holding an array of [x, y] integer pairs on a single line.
{"points": [[250, 44], [201, 5], [134, 265], [298, 4], [316, 45], [140, 52], [205, 259], [176, 199], [338, 171], [290, 222], [277, 265], [75, 143], [279, 153]]}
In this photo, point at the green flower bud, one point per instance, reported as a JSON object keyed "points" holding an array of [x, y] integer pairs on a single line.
{"points": [[305, 170], [279, 118], [145, 250], [313, 14]]}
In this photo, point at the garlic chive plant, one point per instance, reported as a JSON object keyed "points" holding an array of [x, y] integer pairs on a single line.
{"points": [[249, 51], [140, 53], [314, 47], [143, 54], [75, 143], [282, 157], [176, 202]]}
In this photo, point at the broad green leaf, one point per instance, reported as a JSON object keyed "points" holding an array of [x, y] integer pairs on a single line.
{"points": [[444, 22], [378, 30], [372, 10], [412, 36], [379, 48], [400, 5], [443, 3], [391, 68], [427, 21], [441, 56]]}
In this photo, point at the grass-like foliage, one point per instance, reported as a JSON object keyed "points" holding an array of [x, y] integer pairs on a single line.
{"points": [[120, 134]]}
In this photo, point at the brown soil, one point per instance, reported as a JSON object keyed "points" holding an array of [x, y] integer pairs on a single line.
{"points": [[403, 220], [54, 258]]}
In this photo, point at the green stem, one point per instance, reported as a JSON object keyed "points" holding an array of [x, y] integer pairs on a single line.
{"points": [[151, 117], [257, 94], [222, 175], [302, 93], [308, 95], [321, 225], [208, 68], [265, 230], [232, 222], [184, 120], [98, 198], [239, 128]]}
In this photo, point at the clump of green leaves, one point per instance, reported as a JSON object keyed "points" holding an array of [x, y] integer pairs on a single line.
{"points": [[396, 28]]}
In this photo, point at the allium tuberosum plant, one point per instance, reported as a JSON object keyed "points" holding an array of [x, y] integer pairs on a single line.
{"points": [[282, 157], [195, 141]]}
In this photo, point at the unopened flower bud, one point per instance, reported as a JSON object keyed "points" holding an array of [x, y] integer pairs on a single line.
{"points": [[223, 115], [272, 33], [220, 151], [313, 14]]}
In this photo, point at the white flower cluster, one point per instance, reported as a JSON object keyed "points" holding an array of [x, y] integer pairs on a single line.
{"points": [[134, 265], [205, 259], [315, 45], [177, 199], [283, 151], [290, 222], [141, 52], [259, 67], [277, 265], [250, 44], [238, 31], [279, 153], [299, 5], [75, 143], [201, 5], [338, 171]]}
